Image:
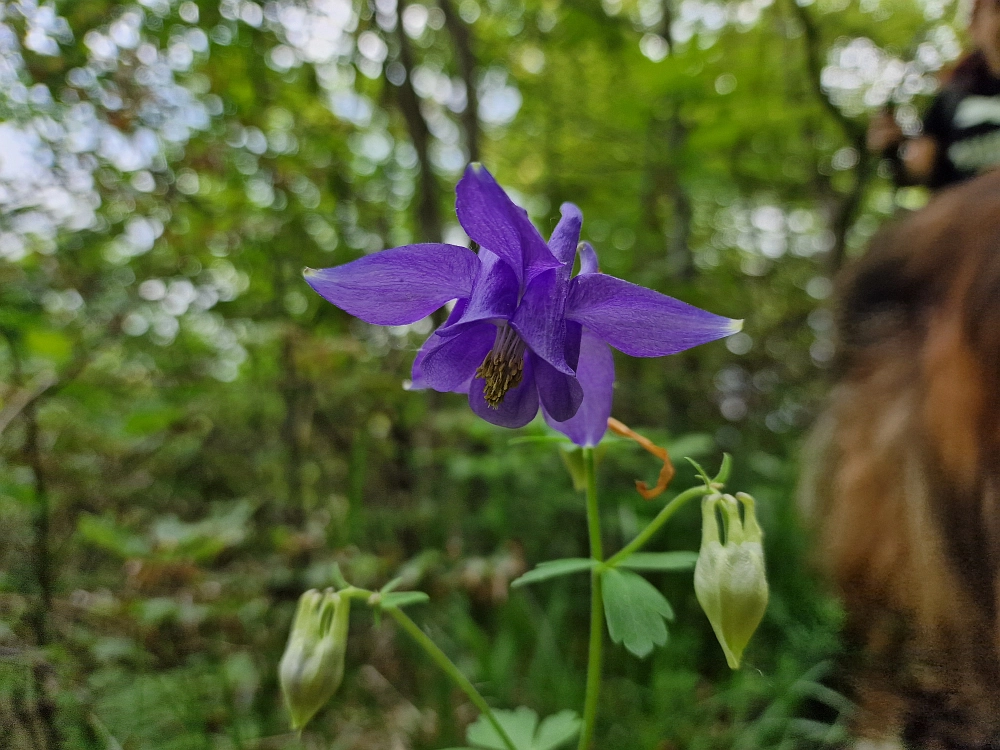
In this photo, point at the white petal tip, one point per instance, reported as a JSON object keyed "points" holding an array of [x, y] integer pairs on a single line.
{"points": [[307, 272], [735, 326]]}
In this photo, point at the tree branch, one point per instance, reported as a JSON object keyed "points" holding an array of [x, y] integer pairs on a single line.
{"points": [[428, 212], [848, 207], [854, 131], [461, 36], [25, 397]]}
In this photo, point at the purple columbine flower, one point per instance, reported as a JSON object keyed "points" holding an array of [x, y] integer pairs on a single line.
{"points": [[523, 331]]}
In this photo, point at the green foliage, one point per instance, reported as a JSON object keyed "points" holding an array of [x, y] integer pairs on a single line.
{"points": [[660, 561], [404, 599], [189, 438], [554, 568], [635, 611], [522, 726]]}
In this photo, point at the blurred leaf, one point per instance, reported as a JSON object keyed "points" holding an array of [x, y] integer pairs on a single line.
{"points": [[825, 695], [553, 568], [680, 560], [202, 540], [694, 444], [391, 585], [520, 725], [635, 611], [818, 731], [107, 535], [572, 458], [539, 439], [149, 421], [404, 599], [557, 730], [50, 344]]}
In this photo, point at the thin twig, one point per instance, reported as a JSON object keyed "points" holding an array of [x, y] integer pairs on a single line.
{"points": [[461, 36], [24, 397], [428, 212]]}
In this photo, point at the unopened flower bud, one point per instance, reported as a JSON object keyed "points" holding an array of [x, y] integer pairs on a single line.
{"points": [[312, 666], [729, 579]]}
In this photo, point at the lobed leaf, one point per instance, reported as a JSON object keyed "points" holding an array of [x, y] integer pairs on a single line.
{"points": [[635, 611], [519, 725], [554, 568], [680, 560], [522, 726], [556, 730]]}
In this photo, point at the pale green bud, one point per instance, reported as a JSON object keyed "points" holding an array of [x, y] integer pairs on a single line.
{"points": [[312, 666], [729, 579]]}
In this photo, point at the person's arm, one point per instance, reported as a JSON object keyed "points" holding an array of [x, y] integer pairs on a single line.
{"points": [[918, 157], [912, 159]]}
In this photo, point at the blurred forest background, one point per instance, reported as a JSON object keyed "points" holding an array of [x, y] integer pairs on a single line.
{"points": [[189, 437]]}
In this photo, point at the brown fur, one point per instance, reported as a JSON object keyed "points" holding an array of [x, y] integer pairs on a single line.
{"points": [[904, 474]]}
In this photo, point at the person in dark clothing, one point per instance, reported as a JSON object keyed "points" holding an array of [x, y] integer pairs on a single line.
{"points": [[961, 134]]}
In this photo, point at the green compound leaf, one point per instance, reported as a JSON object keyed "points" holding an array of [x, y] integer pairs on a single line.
{"points": [[660, 561], [557, 730], [404, 599], [521, 725], [635, 611], [553, 568]]}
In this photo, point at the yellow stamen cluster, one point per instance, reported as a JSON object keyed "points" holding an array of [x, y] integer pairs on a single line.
{"points": [[503, 368], [501, 374]]}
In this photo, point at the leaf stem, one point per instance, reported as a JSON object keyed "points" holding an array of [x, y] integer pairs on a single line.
{"points": [[448, 667], [661, 518], [596, 650]]}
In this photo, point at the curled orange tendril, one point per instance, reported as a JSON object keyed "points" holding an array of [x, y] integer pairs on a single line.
{"points": [[666, 473]]}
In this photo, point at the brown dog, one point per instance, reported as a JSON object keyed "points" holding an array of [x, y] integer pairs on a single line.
{"points": [[903, 474]]}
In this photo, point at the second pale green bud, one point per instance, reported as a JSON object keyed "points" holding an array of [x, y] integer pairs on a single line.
{"points": [[312, 666], [730, 580]]}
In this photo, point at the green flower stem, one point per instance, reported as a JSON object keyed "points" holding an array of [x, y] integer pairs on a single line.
{"points": [[661, 518], [596, 651], [438, 656], [441, 659]]}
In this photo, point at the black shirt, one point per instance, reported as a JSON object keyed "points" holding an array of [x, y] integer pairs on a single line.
{"points": [[964, 121]]}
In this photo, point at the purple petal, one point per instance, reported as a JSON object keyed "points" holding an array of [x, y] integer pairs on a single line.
{"points": [[597, 377], [491, 219], [451, 364], [537, 256], [417, 382], [588, 259], [559, 393], [433, 341], [539, 319], [566, 236], [518, 407], [573, 332], [639, 321], [494, 294], [398, 286]]}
